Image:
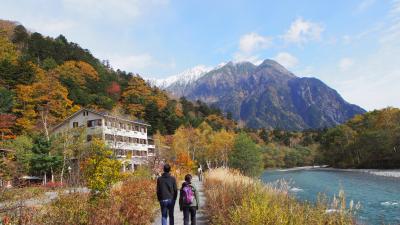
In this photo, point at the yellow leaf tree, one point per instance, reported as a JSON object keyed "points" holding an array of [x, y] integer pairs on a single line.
{"points": [[139, 94], [43, 103], [203, 137], [135, 96], [8, 51], [76, 71], [222, 144]]}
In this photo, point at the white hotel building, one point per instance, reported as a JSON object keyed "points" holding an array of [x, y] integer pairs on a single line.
{"points": [[127, 138]]}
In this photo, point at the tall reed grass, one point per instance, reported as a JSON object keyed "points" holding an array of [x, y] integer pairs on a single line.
{"points": [[236, 199]]}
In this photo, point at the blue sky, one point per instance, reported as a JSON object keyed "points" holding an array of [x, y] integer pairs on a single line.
{"points": [[352, 45]]}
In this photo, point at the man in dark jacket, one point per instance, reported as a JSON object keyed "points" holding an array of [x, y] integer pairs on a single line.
{"points": [[167, 193]]}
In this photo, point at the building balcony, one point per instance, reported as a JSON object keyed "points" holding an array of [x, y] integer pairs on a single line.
{"points": [[126, 145]]}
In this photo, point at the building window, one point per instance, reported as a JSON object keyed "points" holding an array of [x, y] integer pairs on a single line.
{"points": [[85, 113], [90, 123], [119, 138], [120, 152], [109, 137], [75, 124], [94, 123], [108, 123]]}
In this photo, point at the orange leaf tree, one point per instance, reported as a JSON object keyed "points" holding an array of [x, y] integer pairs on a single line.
{"points": [[42, 103]]}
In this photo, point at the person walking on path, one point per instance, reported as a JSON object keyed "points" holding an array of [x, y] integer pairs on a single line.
{"points": [[200, 173], [189, 201], [167, 192]]}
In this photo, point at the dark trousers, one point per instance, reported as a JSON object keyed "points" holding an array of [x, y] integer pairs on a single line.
{"points": [[189, 211], [167, 209]]}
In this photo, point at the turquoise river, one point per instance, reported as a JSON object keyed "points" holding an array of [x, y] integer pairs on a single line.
{"points": [[379, 196]]}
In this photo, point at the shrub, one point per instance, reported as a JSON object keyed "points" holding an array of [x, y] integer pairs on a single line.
{"points": [[17, 214], [67, 209], [54, 185], [131, 203]]}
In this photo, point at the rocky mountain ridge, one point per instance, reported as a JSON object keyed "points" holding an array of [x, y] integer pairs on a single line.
{"points": [[267, 95]]}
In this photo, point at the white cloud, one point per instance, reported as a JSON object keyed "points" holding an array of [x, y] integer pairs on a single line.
{"points": [[253, 42], [345, 63], [364, 5], [286, 59], [240, 57], [132, 62], [347, 39], [138, 63], [302, 31], [307, 71], [395, 7], [51, 27], [249, 45], [112, 9]]}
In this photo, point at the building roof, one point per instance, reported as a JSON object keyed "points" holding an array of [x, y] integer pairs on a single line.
{"points": [[104, 114]]}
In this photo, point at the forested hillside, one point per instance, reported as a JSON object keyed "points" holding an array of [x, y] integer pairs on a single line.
{"points": [[366, 141], [44, 79]]}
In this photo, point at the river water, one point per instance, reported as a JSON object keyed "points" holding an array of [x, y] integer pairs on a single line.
{"points": [[379, 196]]}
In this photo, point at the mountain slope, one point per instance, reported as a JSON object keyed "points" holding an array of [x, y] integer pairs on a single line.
{"points": [[269, 96]]}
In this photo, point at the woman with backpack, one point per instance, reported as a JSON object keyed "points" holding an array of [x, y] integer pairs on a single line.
{"points": [[188, 201]]}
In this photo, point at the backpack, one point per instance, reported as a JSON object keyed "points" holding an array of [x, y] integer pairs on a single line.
{"points": [[188, 195]]}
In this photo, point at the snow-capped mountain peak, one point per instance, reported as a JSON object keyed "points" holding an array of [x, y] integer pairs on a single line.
{"points": [[185, 77]]}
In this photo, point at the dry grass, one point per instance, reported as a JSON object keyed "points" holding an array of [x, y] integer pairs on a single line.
{"points": [[17, 194], [131, 202], [236, 199]]}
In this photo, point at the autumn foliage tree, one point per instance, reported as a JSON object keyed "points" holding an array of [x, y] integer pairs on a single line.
{"points": [[222, 144], [139, 94], [8, 51], [114, 89], [42, 104], [204, 145], [7, 121], [77, 72], [100, 169]]}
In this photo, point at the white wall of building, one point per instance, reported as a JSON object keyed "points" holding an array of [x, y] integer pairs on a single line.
{"points": [[137, 151]]}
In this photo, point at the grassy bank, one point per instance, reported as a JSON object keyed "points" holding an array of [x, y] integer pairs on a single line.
{"points": [[236, 199], [131, 202]]}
